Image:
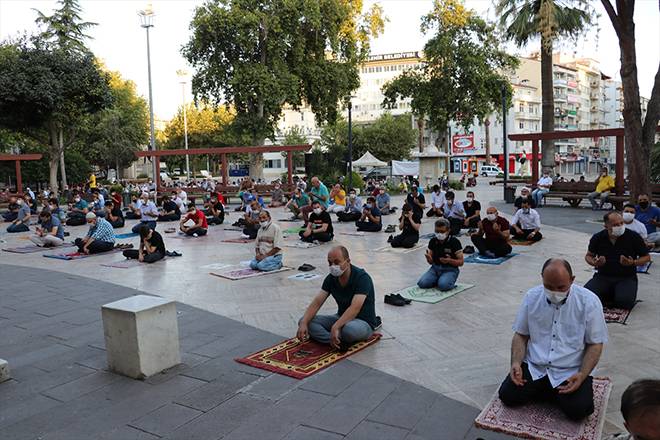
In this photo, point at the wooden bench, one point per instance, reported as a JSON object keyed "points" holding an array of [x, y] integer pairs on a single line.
{"points": [[574, 192], [228, 192]]}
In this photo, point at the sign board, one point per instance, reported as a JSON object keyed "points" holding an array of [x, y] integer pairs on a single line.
{"points": [[403, 168], [463, 144]]}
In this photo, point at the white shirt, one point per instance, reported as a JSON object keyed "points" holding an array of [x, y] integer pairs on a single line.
{"points": [[438, 200], [545, 181], [558, 334], [269, 238], [183, 196], [179, 203], [149, 211], [637, 226], [530, 220]]}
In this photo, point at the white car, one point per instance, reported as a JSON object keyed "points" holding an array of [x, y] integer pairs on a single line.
{"points": [[490, 171]]}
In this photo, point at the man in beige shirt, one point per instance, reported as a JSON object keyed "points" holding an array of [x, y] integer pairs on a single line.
{"points": [[268, 248]]}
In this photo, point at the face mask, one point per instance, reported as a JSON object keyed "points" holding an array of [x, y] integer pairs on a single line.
{"points": [[336, 270], [53, 207], [618, 231], [265, 224], [440, 236], [469, 199], [352, 196], [555, 297], [643, 205], [368, 206], [525, 210], [450, 202], [628, 217], [491, 217], [77, 199], [19, 202], [317, 211]]}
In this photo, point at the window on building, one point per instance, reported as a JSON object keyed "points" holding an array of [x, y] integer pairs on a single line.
{"points": [[521, 107], [273, 163], [521, 124]]}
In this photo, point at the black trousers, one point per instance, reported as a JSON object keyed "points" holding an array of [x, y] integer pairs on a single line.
{"points": [[321, 236], [472, 224], [96, 247], [169, 217], [525, 233], [432, 213], [405, 240], [119, 223], [348, 216], [251, 232], [76, 220], [614, 291], [576, 406], [148, 258], [368, 226], [500, 248], [198, 231], [455, 225], [212, 220], [130, 215]]}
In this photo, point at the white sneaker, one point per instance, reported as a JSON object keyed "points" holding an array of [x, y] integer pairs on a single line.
{"points": [[195, 235], [245, 236]]}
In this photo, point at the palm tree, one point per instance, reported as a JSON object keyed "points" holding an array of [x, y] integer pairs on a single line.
{"points": [[525, 20]]}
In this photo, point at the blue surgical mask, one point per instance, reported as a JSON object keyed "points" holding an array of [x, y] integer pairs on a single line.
{"points": [[368, 206]]}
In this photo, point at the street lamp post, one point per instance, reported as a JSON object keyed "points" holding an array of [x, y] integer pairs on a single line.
{"points": [[350, 145], [182, 79], [505, 149], [147, 22]]}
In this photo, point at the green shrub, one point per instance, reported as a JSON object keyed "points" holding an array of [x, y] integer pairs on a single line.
{"points": [[142, 176], [456, 185], [117, 188]]}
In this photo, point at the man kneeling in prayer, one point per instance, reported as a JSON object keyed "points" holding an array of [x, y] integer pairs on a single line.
{"points": [[559, 336], [268, 251], [152, 247], [445, 255], [99, 238], [353, 290]]}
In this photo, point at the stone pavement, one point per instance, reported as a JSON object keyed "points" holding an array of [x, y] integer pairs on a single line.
{"points": [[52, 336], [458, 347]]}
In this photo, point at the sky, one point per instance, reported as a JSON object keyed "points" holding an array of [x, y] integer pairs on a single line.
{"points": [[120, 42]]}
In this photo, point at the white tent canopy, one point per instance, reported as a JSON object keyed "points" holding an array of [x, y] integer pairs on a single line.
{"points": [[369, 160]]}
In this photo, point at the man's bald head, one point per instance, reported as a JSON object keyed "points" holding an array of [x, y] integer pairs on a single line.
{"points": [[557, 275], [491, 210]]}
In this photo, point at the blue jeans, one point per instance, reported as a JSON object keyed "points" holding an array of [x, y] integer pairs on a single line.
{"points": [[354, 331], [538, 195], [273, 262], [441, 276], [138, 226], [20, 227]]}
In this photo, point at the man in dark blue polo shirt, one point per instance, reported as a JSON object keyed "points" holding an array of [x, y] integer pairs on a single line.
{"points": [[353, 290], [616, 252]]}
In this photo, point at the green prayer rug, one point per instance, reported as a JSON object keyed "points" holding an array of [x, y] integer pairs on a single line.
{"points": [[432, 295]]}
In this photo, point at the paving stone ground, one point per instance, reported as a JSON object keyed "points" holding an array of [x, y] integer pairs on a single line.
{"points": [[52, 336]]}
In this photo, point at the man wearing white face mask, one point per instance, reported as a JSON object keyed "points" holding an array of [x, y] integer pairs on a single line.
{"points": [[319, 226], [615, 252], [353, 290], [268, 247], [631, 222], [526, 223], [496, 232], [445, 255], [559, 335]]}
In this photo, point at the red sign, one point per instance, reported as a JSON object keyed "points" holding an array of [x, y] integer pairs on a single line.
{"points": [[462, 143]]}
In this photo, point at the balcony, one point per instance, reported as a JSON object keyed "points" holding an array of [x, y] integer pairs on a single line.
{"points": [[560, 97]]}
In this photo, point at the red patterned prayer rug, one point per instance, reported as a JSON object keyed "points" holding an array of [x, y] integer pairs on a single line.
{"points": [[617, 315], [300, 360], [544, 421]]}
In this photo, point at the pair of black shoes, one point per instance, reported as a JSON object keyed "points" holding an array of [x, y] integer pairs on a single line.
{"points": [[396, 300]]}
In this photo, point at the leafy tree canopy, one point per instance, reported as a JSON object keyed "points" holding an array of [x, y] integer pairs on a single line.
{"points": [[208, 126], [463, 73]]}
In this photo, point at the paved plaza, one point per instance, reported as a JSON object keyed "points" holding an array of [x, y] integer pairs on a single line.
{"points": [[436, 367]]}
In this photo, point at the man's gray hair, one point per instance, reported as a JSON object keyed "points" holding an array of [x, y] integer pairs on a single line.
{"points": [[442, 223]]}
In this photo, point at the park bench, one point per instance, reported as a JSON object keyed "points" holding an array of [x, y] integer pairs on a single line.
{"points": [[574, 192]]}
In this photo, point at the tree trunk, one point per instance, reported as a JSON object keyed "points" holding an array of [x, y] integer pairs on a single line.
{"points": [[54, 160], [548, 104], [487, 125], [420, 133]]}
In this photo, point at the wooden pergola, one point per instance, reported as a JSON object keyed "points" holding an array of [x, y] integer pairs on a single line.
{"points": [[17, 159], [223, 152], [618, 133]]}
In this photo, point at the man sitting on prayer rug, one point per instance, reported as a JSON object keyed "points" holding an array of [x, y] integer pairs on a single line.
{"points": [[268, 247], [371, 220], [454, 212], [492, 238], [251, 219], [526, 223], [148, 213], [22, 221], [194, 223], [114, 215], [616, 252], [170, 210], [353, 210], [319, 227], [410, 223], [152, 247], [298, 201], [215, 212], [50, 232], [99, 238], [353, 290], [559, 336], [445, 255]]}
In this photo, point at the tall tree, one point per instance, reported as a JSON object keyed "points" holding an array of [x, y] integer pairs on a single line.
{"points": [[111, 137], [639, 135], [44, 93], [260, 55], [464, 72], [526, 20], [65, 31]]}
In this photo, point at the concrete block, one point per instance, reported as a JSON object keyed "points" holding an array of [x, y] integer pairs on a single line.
{"points": [[141, 335], [4, 370]]}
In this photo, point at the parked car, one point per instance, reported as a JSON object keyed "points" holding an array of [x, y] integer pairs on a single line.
{"points": [[490, 170], [378, 173]]}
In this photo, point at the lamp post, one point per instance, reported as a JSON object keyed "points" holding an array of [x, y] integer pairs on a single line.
{"points": [[505, 149], [182, 74], [349, 106], [147, 22]]}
